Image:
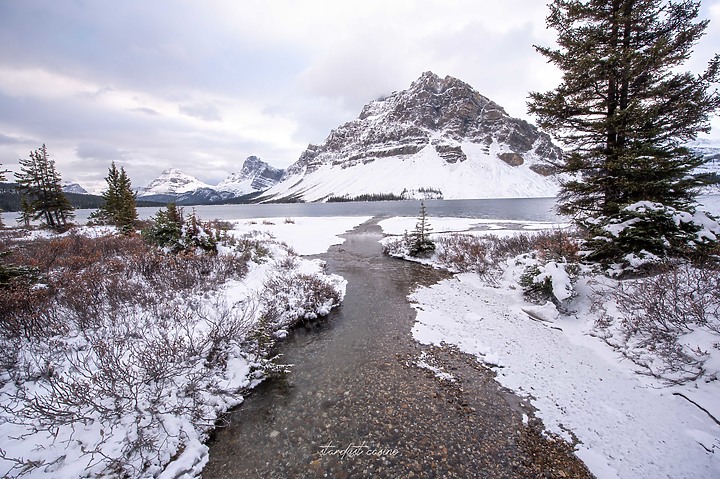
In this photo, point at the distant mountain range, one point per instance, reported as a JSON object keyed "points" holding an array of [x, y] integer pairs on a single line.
{"points": [[174, 185]]}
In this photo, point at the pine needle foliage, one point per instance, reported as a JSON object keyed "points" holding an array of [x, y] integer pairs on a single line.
{"points": [[40, 184], [119, 206], [420, 242], [624, 112]]}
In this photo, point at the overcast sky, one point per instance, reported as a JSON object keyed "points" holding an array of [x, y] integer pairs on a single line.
{"points": [[201, 85]]}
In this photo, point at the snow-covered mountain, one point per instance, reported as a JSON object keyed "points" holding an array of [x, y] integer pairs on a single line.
{"points": [[172, 182], [174, 185], [255, 175], [74, 188], [440, 135]]}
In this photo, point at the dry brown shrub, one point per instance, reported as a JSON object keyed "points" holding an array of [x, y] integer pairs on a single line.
{"points": [[557, 246], [463, 253], [28, 312]]}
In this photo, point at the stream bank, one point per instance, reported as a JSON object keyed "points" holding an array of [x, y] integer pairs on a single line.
{"points": [[357, 405]]}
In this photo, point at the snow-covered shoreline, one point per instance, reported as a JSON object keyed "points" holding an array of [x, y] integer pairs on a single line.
{"points": [[163, 434], [626, 424]]}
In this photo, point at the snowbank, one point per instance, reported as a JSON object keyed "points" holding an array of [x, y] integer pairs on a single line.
{"points": [[306, 235], [626, 425]]}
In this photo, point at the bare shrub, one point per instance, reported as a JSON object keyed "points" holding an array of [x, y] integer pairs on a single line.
{"points": [[27, 312], [252, 248], [655, 311], [510, 246], [87, 275], [134, 374], [288, 298], [558, 245], [397, 246], [288, 263], [463, 253]]}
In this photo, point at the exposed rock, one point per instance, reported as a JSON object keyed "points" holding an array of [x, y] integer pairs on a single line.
{"points": [[512, 159], [255, 175], [449, 153], [544, 169]]}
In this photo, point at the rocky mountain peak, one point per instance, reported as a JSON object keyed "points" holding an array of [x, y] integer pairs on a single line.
{"points": [[172, 181], [255, 175], [74, 188], [433, 111]]}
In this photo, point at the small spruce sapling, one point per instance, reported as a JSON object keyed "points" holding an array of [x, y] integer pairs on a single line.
{"points": [[420, 242]]}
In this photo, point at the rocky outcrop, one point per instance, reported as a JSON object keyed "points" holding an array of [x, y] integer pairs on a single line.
{"points": [[255, 175], [512, 159]]}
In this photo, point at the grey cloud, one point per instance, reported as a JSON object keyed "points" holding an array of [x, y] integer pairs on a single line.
{"points": [[99, 151], [146, 110], [186, 57], [203, 111], [14, 140]]}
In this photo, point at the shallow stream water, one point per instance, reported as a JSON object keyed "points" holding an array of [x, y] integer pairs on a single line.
{"points": [[356, 404]]}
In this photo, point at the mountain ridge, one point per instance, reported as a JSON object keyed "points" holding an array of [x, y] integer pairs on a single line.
{"points": [[440, 134], [176, 186]]}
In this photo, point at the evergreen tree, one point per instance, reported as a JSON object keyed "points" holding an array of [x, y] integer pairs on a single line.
{"points": [[167, 228], [119, 201], [420, 242], [39, 183], [26, 213], [624, 111]]}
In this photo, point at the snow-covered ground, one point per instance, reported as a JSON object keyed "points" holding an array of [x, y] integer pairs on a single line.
{"points": [[160, 431], [627, 425], [306, 235], [483, 175]]}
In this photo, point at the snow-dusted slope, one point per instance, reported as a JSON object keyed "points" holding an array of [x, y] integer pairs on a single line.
{"points": [[438, 135], [172, 182], [74, 188], [482, 175]]}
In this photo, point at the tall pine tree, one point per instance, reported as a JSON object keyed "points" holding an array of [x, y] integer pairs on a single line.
{"points": [[624, 112], [39, 183], [119, 201]]}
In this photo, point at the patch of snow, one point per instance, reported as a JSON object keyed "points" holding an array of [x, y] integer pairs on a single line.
{"points": [[306, 235], [627, 425], [424, 362]]}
